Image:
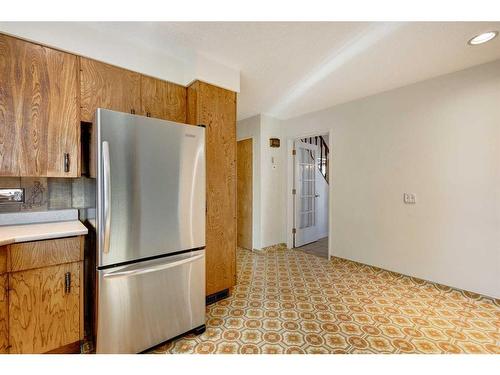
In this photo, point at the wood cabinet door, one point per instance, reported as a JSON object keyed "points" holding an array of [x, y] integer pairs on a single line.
{"points": [[4, 317], [4, 303], [107, 86], [39, 110], [215, 108], [43, 315], [163, 100]]}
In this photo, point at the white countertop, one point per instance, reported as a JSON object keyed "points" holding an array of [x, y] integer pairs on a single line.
{"points": [[40, 231]]}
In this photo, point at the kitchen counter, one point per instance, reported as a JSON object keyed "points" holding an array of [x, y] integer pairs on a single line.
{"points": [[40, 231]]}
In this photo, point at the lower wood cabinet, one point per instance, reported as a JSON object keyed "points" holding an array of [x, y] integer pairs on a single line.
{"points": [[41, 297], [44, 308], [4, 324]]}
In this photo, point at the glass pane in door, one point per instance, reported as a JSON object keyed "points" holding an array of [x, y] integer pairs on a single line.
{"points": [[307, 188]]}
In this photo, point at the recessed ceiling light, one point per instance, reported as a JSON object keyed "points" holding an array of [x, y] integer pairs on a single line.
{"points": [[483, 38]]}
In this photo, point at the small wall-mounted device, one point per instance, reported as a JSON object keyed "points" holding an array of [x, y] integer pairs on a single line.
{"points": [[11, 195], [409, 198], [274, 142]]}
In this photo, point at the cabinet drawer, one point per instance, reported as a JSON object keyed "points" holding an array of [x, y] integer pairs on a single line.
{"points": [[44, 314], [29, 255]]}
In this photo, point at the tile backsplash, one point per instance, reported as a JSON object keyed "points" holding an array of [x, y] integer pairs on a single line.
{"points": [[42, 194]]}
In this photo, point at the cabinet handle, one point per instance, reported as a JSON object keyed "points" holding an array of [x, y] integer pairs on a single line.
{"points": [[67, 282], [132, 111], [66, 162]]}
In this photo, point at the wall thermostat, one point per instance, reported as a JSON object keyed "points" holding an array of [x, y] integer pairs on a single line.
{"points": [[274, 142]]}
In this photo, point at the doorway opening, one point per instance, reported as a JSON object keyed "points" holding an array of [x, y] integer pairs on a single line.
{"points": [[244, 191], [311, 157]]}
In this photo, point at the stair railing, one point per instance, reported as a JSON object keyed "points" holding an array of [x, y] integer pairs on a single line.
{"points": [[324, 154]]}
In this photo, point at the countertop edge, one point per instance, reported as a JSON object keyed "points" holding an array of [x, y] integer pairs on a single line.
{"points": [[42, 231]]}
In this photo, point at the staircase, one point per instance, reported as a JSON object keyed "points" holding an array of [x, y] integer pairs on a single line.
{"points": [[324, 154]]}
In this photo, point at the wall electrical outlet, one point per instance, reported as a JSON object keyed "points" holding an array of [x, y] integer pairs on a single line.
{"points": [[409, 198]]}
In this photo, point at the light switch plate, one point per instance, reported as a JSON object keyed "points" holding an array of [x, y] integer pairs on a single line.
{"points": [[409, 198]]}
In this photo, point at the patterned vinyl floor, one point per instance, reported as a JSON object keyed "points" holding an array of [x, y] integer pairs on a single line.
{"points": [[288, 301]]}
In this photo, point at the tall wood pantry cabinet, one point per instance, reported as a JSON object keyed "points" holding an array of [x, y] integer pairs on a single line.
{"points": [[215, 108]]}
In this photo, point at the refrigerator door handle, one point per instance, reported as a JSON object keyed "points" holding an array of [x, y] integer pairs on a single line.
{"points": [[107, 194], [140, 270]]}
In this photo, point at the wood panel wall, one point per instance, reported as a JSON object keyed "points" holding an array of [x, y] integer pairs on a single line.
{"points": [[215, 108], [244, 193]]}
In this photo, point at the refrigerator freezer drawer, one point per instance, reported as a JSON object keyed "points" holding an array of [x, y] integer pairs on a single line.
{"points": [[145, 303]]}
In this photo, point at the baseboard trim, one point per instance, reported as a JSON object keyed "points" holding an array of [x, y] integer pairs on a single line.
{"points": [[73, 348], [212, 298], [469, 294], [278, 246]]}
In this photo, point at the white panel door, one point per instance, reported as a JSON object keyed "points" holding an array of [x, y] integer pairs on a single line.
{"points": [[305, 193]]}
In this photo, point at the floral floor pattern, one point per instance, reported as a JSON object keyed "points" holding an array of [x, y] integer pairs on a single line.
{"points": [[288, 301]]}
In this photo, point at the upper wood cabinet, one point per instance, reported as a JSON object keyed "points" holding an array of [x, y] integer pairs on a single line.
{"points": [[163, 100], [215, 108], [107, 86], [39, 110]]}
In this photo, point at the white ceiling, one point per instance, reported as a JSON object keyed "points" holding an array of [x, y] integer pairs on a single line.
{"points": [[291, 68]]}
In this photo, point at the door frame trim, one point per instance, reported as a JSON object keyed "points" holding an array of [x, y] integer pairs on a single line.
{"points": [[255, 203], [289, 186], [298, 191]]}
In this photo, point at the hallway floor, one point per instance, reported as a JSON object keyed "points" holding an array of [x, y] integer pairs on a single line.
{"points": [[288, 301], [318, 248]]}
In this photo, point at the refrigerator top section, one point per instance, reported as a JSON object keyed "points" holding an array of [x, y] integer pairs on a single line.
{"points": [[155, 203]]}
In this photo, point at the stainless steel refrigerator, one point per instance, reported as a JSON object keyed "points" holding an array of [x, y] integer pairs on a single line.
{"points": [[150, 227]]}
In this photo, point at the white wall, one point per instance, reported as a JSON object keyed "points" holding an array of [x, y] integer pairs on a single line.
{"points": [[128, 51], [250, 128], [272, 183], [439, 139], [322, 189], [268, 185]]}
